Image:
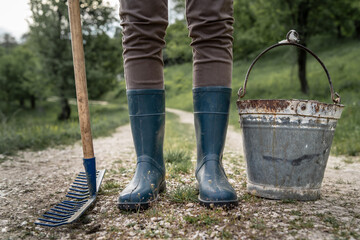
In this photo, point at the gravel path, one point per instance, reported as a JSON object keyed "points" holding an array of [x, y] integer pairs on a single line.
{"points": [[32, 181]]}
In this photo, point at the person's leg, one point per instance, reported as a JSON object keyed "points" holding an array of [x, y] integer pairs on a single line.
{"points": [[210, 27], [144, 23], [211, 32]]}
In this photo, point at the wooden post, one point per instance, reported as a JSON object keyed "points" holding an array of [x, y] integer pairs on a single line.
{"points": [[80, 78]]}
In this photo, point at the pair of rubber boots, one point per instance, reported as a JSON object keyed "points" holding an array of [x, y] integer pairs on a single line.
{"points": [[147, 118]]}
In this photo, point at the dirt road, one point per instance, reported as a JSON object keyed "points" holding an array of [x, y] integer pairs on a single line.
{"points": [[32, 181]]}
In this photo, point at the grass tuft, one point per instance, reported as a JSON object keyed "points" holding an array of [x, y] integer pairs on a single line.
{"points": [[183, 194], [178, 160], [178, 147]]}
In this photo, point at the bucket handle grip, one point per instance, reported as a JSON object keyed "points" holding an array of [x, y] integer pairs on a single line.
{"points": [[292, 37]]}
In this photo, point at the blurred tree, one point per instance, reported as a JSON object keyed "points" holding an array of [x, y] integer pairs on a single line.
{"points": [[178, 48], [355, 5], [50, 34], [179, 8], [8, 78], [261, 22], [21, 76], [311, 17], [7, 41], [103, 61], [34, 85]]}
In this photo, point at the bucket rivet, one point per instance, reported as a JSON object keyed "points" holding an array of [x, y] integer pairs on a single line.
{"points": [[303, 107]]}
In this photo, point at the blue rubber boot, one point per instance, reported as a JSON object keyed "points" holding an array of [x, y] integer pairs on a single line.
{"points": [[211, 113], [147, 119]]}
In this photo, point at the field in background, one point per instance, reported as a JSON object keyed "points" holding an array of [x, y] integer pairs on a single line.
{"points": [[38, 129], [275, 77]]}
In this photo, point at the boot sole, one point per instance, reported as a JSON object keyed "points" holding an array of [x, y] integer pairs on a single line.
{"points": [[224, 204], [136, 206]]}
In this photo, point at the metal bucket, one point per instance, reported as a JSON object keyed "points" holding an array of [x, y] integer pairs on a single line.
{"points": [[287, 142]]}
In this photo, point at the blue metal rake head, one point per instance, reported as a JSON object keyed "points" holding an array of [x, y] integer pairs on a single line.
{"points": [[80, 197]]}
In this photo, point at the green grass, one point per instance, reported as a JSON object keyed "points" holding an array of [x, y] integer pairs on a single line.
{"points": [[246, 197], [300, 223], [178, 160], [178, 85], [110, 187], [258, 224], [329, 219], [275, 77], [183, 194], [178, 147], [38, 129]]}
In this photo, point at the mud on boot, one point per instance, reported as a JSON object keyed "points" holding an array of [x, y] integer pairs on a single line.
{"points": [[147, 119], [211, 113]]}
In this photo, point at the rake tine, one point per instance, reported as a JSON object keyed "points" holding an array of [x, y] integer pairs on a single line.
{"points": [[67, 206], [74, 202], [50, 225], [80, 178], [81, 184], [79, 187], [51, 221], [80, 181], [65, 209], [56, 218], [71, 204], [62, 204], [84, 173], [79, 190], [57, 214], [74, 197], [78, 194], [59, 211]]}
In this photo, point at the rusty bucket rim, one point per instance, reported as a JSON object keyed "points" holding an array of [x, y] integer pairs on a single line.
{"points": [[293, 99], [293, 107]]}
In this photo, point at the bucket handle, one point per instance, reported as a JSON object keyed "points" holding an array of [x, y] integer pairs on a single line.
{"points": [[292, 37]]}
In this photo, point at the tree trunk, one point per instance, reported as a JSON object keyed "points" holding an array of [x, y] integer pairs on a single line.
{"points": [[65, 107], [22, 102], [65, 110], [33, 102], [302, 21], [338, 32], [302, 70], [357, 28]]}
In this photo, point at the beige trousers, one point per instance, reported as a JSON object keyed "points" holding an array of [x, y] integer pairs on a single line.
{"points": [[144, 24]]}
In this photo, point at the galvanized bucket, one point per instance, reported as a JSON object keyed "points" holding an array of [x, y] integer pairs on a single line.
{"points": [[287, 142]]}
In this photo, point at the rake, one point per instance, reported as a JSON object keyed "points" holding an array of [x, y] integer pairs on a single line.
{"points": [[82, 193]]}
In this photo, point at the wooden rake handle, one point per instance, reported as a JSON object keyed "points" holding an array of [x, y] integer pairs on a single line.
{"points": [[80, 78]]}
